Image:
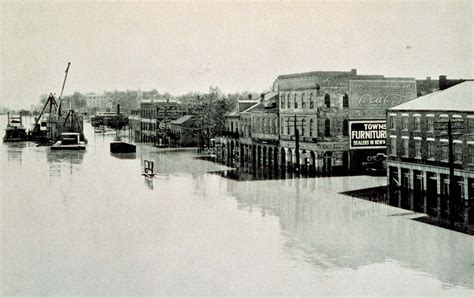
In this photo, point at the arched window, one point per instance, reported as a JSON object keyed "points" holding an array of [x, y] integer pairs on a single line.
{"points": [[327, 128], [327, 100], [345, 128], [345, 101], [303, 104], [311, 101], [311, 127], [296, 101]]}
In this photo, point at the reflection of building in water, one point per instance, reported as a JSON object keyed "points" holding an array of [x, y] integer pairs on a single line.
{"points": [[64, 160], [327, 226], [418, 151]]}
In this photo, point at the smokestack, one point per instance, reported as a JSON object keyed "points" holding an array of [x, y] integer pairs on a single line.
{"points": [[262, 97]]}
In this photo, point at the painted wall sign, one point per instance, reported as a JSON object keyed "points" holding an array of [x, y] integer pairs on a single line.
{"points": [[370, 99], [368, 134]]}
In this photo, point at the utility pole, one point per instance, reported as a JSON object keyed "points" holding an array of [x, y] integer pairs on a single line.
{"points": [[297, 147], [450, 125]]}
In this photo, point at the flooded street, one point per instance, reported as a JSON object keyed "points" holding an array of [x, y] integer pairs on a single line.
{"points": [[88, 223]]}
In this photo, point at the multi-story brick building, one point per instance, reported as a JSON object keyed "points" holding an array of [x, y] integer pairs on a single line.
{"points": [[418, 152], [322, 104], [155, 117], [98, 102]]}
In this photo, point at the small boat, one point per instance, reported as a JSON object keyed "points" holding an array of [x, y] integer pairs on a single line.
{"points": [[15, 132], [69, 141]]}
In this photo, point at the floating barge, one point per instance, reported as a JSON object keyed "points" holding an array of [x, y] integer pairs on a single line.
{"points": [[69, 141], [15, 132]]}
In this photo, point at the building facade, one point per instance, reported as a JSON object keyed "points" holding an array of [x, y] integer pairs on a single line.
{"points": [[99, 102], [418, 153]]}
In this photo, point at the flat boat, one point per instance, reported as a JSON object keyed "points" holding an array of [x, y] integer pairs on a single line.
{"points": [[69, 141]]}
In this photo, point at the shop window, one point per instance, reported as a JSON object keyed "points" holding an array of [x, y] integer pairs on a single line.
{"points": [[327, 100], [327, 128]]}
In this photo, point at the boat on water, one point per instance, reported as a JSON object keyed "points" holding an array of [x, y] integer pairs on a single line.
{"points": [[15, 132], [69, 141]]}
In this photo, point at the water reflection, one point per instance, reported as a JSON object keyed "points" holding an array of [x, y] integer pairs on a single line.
{"points": [[353, 233]]}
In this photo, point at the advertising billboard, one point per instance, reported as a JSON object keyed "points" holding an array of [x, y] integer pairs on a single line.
{"points": [[367, 134], [370, 99]]}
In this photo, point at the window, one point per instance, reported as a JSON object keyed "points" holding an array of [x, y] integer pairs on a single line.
{"points": [[282, 129], [303, 104], [405, 122], [430, 124], [457, 152], [296, 101], [470, 125], [288, 126], [417, 123], [345, 128], [393, 123], [431, 149], [327, 128], [418, 148], [288, 101], [282, 101], [405, 147], [311, 127], [311, 101], [393, 146], [471, 153], [444, 151], [327, 100], [345, 101], [303, 123]]}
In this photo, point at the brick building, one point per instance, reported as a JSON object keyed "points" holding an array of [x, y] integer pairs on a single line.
{"points": [[418, 163]]}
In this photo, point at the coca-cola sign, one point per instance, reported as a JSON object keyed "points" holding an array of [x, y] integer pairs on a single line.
{"points": [[370, 99]]}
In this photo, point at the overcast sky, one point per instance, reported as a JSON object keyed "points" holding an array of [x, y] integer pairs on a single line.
{"points": [[184, 47]]}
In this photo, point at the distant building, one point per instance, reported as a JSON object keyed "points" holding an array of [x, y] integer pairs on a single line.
{"points": [[418, 151], [428, 85], [155, 118], [99, 102], [183, 132]]}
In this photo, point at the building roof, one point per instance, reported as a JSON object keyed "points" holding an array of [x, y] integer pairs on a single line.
{"points": [[182, 119], [456, 98]]}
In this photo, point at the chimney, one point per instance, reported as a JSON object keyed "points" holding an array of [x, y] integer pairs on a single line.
{"points": [[249, 96], [428, 79], [354, 71], [262, 97]]}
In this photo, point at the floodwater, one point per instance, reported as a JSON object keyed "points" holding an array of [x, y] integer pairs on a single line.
{"points": [[89, 223]]}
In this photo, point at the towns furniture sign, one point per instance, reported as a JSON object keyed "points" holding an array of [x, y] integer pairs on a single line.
{"points": [[370, 99], [368, 134]]}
